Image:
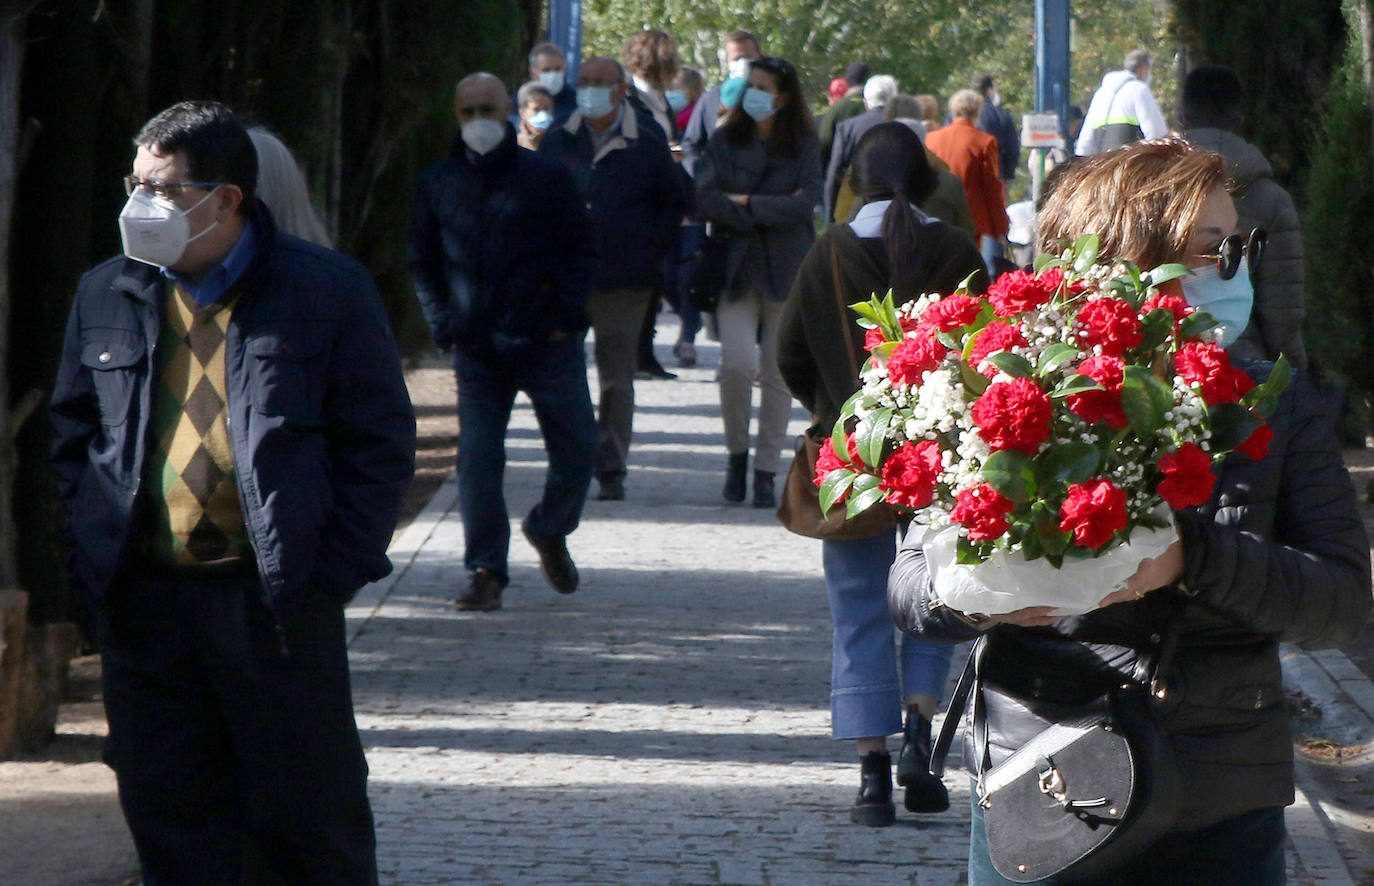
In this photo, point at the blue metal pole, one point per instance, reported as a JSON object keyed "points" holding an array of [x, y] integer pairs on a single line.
{"points": [[565, 29], [1052, 59]]}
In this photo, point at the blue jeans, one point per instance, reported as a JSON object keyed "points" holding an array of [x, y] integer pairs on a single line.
{"points": [[1243, 851], [866, 686], [554, 377]]}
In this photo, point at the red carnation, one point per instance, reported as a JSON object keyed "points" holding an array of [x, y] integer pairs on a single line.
{"points": [[918, 354], [1206, 365], [1018, 291], [1013, 415], [909, 474], [993, 338], [1188, 478], [873, 338], [952, 312], [1257, 444], [983, 510], [1111, 323], [1052, 278], [1093, 512], [827, 461], [1174, 304], [1096, 406]]}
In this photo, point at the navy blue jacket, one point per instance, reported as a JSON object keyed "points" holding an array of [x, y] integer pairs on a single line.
{"points": [[320, 423], [635, 193], [500, 251]]}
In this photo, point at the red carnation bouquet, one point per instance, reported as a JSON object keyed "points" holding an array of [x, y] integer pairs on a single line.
{"points": [[1041, 433]]}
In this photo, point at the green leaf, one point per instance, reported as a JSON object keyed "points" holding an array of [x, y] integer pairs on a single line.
{"points": [[1056, 356], [873, 437], [1155, 327], [1165, 273], [1075, 384], [857, 504], [1196, 324], [1068, 463], [836, 484], [1011, 473], [974, 381], [1031, 548], [968, 281], [1264, 398], [1145, 399], [1012, 364], [1231, 425], [838, 435], [865, 483], [970, 553], [1044, 260], [1084, 253], [868, 312]]}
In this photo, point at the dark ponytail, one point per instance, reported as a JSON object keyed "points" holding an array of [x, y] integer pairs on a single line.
{"points": [[890, 164]]}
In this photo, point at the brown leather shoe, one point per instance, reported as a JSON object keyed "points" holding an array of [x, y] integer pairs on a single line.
{"points": [[483, 594]]}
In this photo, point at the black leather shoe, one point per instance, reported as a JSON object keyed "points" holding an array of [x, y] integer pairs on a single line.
{"points": [[736, 471], [873, 807], [559, 570], [483, 593], [763, 490], [924, 792]]}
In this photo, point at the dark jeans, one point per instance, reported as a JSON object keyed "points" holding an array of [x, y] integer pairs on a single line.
{"points": [[684, 261], [219, 739], [554, 377], [1243, 851]]}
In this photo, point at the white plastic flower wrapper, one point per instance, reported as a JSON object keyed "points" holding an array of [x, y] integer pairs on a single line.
{"points": [[1006, 581]]}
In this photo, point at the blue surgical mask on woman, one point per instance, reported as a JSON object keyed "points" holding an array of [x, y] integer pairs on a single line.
{"points": [[757, 103], [541, 120], [676, 98], [1229, 301], [594, 101]]}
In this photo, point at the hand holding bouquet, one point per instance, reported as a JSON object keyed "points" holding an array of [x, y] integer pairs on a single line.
{"points": [[1050, 422]]}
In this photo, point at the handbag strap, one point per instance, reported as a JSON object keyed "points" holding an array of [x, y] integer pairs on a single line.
{"points": [[955, 711], [839, 308]]}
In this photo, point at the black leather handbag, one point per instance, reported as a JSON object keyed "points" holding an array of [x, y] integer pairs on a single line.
{"points": [[1084, 796], [707, 281]]}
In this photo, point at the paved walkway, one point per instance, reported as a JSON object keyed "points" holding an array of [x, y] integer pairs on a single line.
{"points": [[668, 723]]}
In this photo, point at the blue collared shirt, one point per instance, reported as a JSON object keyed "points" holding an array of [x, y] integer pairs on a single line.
{"points": [[215, 284], [868, 221]]}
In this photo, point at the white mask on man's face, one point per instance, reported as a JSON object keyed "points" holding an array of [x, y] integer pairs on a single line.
{"points": [[482, 134], [552, 81], [738, 68], [155, 230]]}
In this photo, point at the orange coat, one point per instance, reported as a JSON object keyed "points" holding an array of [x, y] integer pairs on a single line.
{"points": [[972, 155]]}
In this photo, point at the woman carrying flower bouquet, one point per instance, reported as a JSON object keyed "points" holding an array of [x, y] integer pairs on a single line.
{"points": [[757, 182], [1270, 546], [890, 244]]}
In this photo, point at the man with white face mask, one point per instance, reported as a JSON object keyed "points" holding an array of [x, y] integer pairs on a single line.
{"points": [[741, 47], [501, 260], [636, 196], [549, 69], [233, 440]]}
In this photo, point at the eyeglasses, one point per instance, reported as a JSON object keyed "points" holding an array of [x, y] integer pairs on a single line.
{"points": [[1232, 249], [164, 190]]}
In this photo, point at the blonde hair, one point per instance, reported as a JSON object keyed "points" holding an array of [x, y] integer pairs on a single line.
{"points": [[281, 185], [965, 103], [930, 109], [1142, 201]]}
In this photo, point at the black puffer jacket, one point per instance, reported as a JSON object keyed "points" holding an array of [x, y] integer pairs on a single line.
{"points": [[1278, 555]]}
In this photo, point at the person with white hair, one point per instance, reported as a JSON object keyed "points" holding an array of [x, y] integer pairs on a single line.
{"points": [[281, 185], [878, 91], [1123, 109]]}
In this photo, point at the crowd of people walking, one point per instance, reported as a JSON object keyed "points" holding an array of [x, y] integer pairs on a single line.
{"points": [[570, 204]]}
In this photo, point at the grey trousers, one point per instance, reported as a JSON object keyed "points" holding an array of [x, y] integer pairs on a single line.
{"points": [[748, 327], [616, 316]]}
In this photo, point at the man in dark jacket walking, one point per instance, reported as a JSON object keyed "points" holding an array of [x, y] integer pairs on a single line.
{"points": [[996, 122], [233, 440], [636, 199], [1210, 115], [878, 91], [501, 261]]}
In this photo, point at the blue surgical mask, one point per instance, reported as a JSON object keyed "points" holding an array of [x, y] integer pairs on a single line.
{"points": [[757, 103], [594, 101], [552, 81], [1229, 301], [676, 98], [541, 120]]}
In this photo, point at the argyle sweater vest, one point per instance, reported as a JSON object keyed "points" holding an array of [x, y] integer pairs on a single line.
{"points": [[197, 518]]}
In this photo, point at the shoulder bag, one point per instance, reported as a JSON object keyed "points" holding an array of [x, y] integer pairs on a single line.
{"points": [[1084, 796], [799, 509], [707, 281]]}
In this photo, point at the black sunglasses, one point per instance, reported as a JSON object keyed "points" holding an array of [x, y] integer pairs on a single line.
{"points": [[1235, 247]]}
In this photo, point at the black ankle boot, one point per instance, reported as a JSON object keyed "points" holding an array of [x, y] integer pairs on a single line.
{"points": [[736, 471], [763, 490], [924, 792], [873, 807]]}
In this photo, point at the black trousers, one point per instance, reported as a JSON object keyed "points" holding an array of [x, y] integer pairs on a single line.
{"points": [[226, 734]]}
